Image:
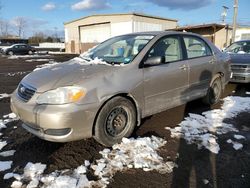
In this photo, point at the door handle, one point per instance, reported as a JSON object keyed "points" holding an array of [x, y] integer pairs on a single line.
{"points": [[183, 67]]}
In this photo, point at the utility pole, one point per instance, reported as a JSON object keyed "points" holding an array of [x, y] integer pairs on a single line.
{"points": [[236, 5]]}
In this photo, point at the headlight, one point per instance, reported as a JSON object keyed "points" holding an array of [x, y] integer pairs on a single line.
{"points": [[62, 95]]}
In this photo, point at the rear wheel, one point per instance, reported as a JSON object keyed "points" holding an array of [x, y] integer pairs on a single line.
{"points": [[214, 92], [30, 52], [116, 120]]}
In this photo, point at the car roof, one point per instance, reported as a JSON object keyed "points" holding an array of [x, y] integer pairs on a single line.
{"points": [[170, 32]]}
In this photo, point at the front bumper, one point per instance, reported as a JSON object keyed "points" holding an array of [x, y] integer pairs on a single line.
{"points": [[57, 123]]}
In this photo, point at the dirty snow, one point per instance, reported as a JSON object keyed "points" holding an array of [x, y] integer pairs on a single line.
{"points": [[5, 165], [130, 153], [4, 95], [203, 129]]}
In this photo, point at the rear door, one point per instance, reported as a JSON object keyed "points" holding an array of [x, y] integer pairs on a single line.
{"points": [[201, 63], [165, 84]]}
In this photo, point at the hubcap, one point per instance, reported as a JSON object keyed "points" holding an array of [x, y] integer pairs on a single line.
{"points": [[116, 121]]}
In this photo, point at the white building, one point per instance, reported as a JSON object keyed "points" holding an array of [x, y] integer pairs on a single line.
{"points": [[242, 33], [83, 33]]}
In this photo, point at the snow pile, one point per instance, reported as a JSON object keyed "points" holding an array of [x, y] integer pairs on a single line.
{"points": [[88, 61], [32, 173], [130, 153], [47, 65], [203, 129], [4, 95]]}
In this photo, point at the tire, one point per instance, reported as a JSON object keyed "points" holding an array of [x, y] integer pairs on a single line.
{"points": [[116, 119], [10, 53], [214, 92]]}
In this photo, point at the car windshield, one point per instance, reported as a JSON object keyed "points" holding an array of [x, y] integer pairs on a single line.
{"points": [[242, 47], [118, 50]]}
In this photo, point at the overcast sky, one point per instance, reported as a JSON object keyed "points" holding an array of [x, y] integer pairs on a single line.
{"points": [[49, 16]]}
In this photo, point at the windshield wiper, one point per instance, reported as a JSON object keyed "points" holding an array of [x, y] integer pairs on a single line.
{"points": [[86, 58]]}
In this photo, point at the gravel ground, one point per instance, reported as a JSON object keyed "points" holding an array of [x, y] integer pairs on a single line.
{"points": [[196, 168]]}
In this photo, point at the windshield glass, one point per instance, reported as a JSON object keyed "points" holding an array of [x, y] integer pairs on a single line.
{"points": [[117, 50], [242, 47]]}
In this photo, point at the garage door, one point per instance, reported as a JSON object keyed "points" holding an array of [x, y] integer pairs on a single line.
{"points": [[95, 33]]}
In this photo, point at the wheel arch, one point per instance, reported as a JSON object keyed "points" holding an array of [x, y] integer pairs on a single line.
{"points": [[128, 97]]}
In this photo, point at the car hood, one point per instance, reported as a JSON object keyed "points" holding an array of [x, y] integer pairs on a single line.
{"points": [[65, 74], [240, 58], [5, 48]]}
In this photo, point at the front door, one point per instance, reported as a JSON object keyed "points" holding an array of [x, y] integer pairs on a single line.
{"points": [[165, 84]]}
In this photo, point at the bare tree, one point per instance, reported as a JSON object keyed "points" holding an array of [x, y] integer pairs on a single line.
{"points": [[4, 28], [20, 24]]}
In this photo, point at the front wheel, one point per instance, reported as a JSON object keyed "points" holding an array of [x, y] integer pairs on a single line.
{"points": [[10, 53], [116, 120], [214, 92]]}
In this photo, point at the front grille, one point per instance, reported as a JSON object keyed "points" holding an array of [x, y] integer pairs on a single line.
{"points": [[238, 78], [25, 92], [238, 66]]}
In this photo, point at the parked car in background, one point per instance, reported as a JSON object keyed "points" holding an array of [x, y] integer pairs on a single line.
{"points": [[18, 49], [104, 93], [240, 57]]}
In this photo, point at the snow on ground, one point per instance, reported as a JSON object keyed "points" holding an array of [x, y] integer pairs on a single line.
{"points": [[38, 60], [27, 56], [4, 95], [130, 153], [204, 129], [236, 145], [5, 165], [7, 153]]}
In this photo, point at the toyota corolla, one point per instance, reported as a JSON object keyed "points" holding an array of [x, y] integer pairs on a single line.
{"points": [[106, 92]]}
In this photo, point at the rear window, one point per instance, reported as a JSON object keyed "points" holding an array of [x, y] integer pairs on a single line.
{"points": [[196, 47]]}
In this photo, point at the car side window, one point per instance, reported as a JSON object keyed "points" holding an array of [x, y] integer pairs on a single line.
{"points": [[196, 47], [169, 48]]}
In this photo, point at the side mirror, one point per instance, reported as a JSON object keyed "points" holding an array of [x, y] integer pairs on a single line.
{"points": [[153, 61]]}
